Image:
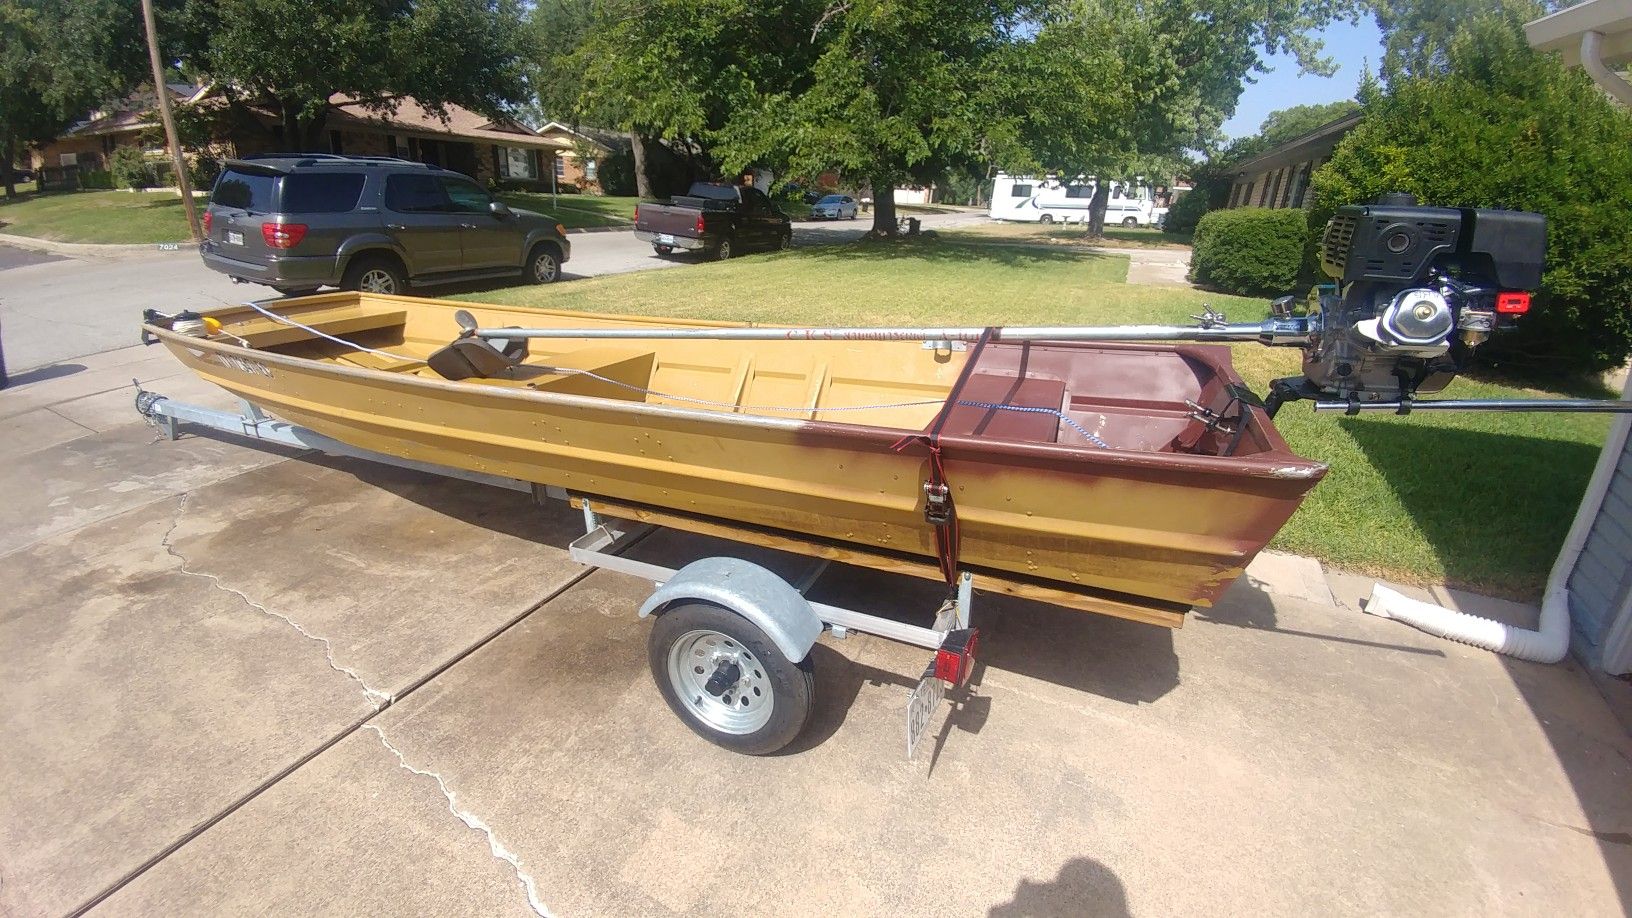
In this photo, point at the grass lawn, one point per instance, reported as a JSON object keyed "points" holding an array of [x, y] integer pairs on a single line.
{"points": [[575, 211], [1479, 500], [1115, 236], [96, 216]]}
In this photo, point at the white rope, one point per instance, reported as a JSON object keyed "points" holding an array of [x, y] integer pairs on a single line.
{"points": [[288, 321]]}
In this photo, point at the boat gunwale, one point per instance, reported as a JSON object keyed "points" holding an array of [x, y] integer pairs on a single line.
{"points": [[1276, 463]]}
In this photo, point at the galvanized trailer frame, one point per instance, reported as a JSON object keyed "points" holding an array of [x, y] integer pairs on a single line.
{"points": [[609, 533]]}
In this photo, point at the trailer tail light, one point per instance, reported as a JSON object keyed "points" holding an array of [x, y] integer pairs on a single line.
{"points": [[208, 219], [1513, 302], [956, 658], [283, 235], [699, 226]]}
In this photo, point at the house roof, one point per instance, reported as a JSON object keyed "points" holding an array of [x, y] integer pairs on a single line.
{"points": [[1562, 31], [409, 117], [1320, 140], [607, 139], [128, 114]]}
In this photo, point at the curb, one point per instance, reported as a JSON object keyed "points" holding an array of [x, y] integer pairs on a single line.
{"points": [[91, 249], [600, 229]]}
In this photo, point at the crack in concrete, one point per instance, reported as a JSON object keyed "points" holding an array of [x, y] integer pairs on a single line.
{"points": [[471, 820], [378, 700]]}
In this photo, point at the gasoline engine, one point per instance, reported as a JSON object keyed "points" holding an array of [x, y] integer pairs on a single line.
{"points": [[1416, 290]]}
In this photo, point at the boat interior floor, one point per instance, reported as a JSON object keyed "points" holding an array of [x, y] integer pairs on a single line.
{"points": [[1081, 395]]}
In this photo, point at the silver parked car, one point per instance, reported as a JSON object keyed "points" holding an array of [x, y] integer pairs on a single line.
{"points": [[834, 207]]}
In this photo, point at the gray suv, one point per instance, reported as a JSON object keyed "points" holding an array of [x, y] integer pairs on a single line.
{"points": [[299, 221]]}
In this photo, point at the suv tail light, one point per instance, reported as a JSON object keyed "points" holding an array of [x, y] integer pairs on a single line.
{"points": [[283, 235], [636, 217], [208, 217]]}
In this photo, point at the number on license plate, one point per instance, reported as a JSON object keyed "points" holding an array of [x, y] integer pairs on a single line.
{"points": [[235, 238], [665, 238], [921, 709]]}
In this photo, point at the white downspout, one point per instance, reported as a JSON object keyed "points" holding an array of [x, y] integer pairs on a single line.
{"points": [[1592, 61], [1551, 639]]}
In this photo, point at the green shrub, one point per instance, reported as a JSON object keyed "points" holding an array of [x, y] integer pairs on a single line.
{"points": [[131, 169], [1186, 212], [1250, 251], [202, 171], [95, 178], [1506, 127]]}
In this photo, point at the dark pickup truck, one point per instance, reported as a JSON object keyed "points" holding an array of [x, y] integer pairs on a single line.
{"points": [[723, 220]]}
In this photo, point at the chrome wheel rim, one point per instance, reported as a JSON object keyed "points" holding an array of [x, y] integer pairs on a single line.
{"points": [[377, 280], [544, 268], [725, 250], [744, 706]]}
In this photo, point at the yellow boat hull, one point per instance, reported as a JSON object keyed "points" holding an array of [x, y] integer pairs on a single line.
{"points": [[688, 430]]}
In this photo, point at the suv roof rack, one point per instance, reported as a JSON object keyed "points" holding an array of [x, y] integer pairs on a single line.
{"points": [[319, 159]]}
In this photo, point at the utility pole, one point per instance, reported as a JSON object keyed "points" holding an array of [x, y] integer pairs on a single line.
{"points": [[169, 119]]}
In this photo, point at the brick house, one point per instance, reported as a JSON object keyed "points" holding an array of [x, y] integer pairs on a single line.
{"points": [[583, 172], [1279, 176], [487, 149], [89, 144]]}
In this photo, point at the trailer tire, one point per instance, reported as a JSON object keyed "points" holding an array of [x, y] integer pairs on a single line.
{"points": [[1046, 218], [1130, 221], [692, 642]]}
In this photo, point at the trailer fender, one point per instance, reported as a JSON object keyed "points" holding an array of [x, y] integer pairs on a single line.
{"points": [[750, 591]]}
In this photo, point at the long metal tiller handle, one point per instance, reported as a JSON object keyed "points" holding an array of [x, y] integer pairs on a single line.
{"points": [[1483, 404]]}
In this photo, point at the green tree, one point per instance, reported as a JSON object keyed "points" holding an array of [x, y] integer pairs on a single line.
{"points": [[1417, 34], [1288, 123], [58, 59], [1506, 127], [1183, 64], [679, 70], [295, 55]]}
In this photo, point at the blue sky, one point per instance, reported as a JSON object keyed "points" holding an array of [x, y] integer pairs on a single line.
{"points": [[1351, 46]]}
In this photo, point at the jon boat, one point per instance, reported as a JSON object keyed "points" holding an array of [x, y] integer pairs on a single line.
{"points": [[1130, 479]]}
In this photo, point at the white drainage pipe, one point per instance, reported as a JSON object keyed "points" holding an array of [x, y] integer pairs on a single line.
{"points": [[1551, 639], [1547, 644]]}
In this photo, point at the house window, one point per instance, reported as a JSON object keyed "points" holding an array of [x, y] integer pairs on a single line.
{"points": [[391, 145], [517, 163], [560, 167], [67, 159], [590, 168], [334, 142]]}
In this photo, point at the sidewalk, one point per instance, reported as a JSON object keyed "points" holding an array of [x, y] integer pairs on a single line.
{"points": [[239, 680]]}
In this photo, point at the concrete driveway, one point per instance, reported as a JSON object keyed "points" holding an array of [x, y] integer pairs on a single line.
{"points": [[240, 681], [55, 308]]}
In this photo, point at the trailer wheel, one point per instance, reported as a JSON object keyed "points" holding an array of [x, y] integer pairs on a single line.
{"points": [[728, 682], [1046, 218], [1130, 221]]}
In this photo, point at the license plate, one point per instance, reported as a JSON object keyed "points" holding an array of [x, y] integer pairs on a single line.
{"points": [[921, 709], [665, 238], [235, 238]]}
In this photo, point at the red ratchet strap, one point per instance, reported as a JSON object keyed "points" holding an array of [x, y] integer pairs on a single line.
{"points": [[939, 509]]}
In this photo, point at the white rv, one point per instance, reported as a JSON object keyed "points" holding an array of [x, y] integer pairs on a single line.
{"points": [[1052, 200]]}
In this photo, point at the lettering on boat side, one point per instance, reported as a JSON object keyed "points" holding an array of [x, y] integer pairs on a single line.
{"points": [[242, 365]]}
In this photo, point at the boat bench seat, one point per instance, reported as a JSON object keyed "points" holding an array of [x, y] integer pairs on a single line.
{"points": [[262, 332]]}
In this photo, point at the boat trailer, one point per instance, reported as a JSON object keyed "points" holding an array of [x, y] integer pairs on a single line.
{"points": [[723, 680]]}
